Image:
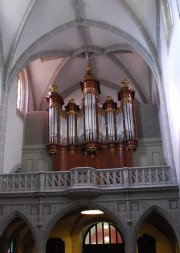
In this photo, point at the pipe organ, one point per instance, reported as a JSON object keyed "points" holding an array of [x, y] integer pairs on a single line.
{"points": [[93, 135]]}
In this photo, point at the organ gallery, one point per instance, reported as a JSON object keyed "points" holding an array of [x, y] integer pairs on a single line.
{"points": [[93, 135]]}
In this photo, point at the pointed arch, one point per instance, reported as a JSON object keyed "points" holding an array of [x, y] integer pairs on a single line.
{"points": [[68, 211], [108, 52], [18, 34], [136, 45], [162, 221], [14, 216], [140, 23]]}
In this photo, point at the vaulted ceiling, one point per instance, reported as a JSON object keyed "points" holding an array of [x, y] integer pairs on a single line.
{"points": [[54, 39]]}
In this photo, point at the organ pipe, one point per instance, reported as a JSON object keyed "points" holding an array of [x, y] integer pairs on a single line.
{"points": [[80, 127], [119, 125], [71, 110], [63, 128], [110, 106], [55, 105], [90, 89], [91, 127], [102, 124], [126, 96]]}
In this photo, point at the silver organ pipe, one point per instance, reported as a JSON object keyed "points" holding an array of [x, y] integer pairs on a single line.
{"points": [[90, 117], [71, 129], [55, 106], [90, 88], [80, 128], [119, 126], [94, 119], [126, 96], [92, 125], [129, 124], [102, 128], [53, 129], [111, 127], [71, 112], [110, 107], [63, 129], [53, 123], [87, 117]]}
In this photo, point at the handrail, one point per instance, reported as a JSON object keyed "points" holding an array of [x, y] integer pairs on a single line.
{"points": [[81, 177]]}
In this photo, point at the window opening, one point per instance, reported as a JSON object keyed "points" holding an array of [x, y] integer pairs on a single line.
{"points": [[103, 233], [167, 19], [22, 93], [178, 6], [11, 248]]}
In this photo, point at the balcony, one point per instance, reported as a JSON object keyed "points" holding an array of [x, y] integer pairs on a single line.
{"points": [[88, 180]]}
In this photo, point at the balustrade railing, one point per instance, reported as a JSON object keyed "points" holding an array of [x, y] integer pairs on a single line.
{"points": [[86, 177]]}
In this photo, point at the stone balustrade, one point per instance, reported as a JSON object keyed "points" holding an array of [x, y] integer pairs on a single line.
{"points": [[83, 177]]}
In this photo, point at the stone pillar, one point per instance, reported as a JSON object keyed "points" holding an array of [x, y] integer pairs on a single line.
{"points": [[130, 244], [3, 107], [41, 242], [166, 135]]}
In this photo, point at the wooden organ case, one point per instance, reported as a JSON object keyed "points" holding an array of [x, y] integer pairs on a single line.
{"points": [[93, 135]]}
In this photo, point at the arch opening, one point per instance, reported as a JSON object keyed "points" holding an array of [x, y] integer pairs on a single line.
{"points": [[74, 227], [17, 237], [156, 235]]}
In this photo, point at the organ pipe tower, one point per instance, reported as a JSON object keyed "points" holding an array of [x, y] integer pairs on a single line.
{"points": [[93, 135], [91, 89]]}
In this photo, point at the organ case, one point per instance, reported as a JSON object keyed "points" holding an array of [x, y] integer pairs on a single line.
{"points": [[92, 135]]}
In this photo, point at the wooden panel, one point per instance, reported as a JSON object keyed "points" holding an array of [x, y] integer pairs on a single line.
{"points": [[105, 158]]}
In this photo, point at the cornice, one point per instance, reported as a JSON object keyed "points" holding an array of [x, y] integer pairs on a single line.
{"points": [[90, 192]]}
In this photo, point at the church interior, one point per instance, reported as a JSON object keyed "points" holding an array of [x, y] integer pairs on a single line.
{"points": [[89, 126]]}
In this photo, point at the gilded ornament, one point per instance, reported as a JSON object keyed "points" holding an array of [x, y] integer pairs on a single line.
{"points": [[89, 75], [109, 98], [53, 88], [112, 150], [125, 82]]}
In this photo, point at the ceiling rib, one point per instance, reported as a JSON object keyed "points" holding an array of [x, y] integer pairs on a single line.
{"points": [[59, 68], [17, 37], [129, 76]]}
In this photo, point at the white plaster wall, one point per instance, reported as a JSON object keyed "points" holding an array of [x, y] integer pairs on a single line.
{"points": [[14, 135], [170, 60]]}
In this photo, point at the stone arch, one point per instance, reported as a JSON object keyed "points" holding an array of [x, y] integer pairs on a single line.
{"points": [[96, 50], [4, 224], [136, 46], [92, 220], [156, 216], [72, 208]]}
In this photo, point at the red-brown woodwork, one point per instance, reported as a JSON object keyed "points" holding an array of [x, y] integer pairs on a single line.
{"points": [[105, 158]]}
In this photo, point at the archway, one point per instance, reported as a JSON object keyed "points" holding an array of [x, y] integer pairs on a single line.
{"points": [[156, 235], [74, 228], [17, 237]]}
